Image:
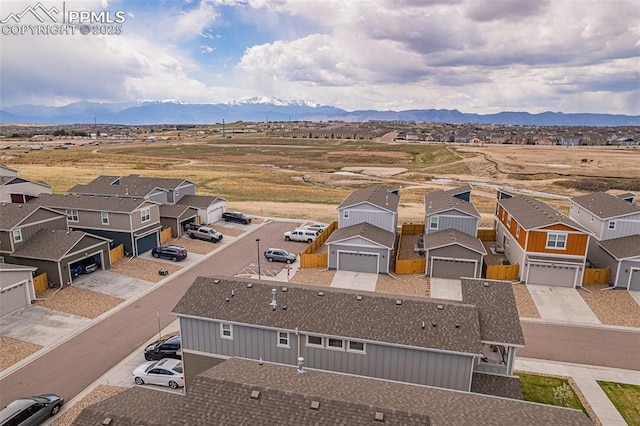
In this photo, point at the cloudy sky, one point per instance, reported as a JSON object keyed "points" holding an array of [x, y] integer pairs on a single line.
{"points": [[479, 56]]}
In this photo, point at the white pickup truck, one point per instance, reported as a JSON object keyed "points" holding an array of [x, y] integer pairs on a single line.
{"points": [[205, 233]]}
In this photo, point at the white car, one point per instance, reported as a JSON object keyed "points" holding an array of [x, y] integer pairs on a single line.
{"points": [[166, 372], [318, 227]]}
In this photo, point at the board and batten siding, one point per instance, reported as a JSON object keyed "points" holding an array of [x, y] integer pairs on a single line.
{"points": [[136, 217], [93, 219], [453, 219], [383, 253], [368, 213], [447, 370], [31, 229], [624, 226]]}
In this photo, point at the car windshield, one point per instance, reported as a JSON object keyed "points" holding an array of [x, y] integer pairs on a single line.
{"points": [[40, 399], [178, 368], [151, 367]]}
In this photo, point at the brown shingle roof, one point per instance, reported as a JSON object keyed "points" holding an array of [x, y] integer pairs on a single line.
{"points": [[52, 244], [338, 313], [375, 195], [453, 236], [91, 203], [441, 201], [365, 230], [176, 210], [12, 214], [130, 186], [200, 201], [623, 247], [531, 213], [605, 205]]}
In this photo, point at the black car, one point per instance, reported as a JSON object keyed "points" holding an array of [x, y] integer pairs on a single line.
{"points": [[236, 217], [32, 410], [174, 253], [164, 348]]}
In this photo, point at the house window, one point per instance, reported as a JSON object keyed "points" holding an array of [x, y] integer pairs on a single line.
{"points": [[557, 241], [283, 339], [355, 346], [145, 215], [433, 222], [72, 215], [105, 218], [612, 226], [226, 331], [345, 214], [518, 232], [503, 212], [337, 344], [314, 341], [509, 222], [17, 235]]}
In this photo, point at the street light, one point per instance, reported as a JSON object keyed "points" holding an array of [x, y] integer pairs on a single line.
{"points": [[258, 245]]}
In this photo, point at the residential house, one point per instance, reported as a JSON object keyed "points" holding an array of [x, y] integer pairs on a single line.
{"points": [[614, 222], [38, 236], [433, 342], [133, 222], [176, 217], [16, 287], [247, 392], [550, 248], [14, 189], [210, 208]]}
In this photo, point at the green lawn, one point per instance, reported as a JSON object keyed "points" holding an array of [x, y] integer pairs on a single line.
{"points": [[626, 398], [541, 389]]}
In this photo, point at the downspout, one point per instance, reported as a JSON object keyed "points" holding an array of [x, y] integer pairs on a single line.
{"points": [[297, 343]]}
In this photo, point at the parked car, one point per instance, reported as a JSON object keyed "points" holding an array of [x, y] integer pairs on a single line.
{"points": [[174, 253], [166, 372], [279, 255], [318, 227], [84, 267], [32, 410], [236, 217], [205, 233], [304, 235], [163, 348]]}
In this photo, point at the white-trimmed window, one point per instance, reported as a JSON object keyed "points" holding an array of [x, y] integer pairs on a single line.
{"points": [[226, 331], [17, 235], [518, 232], [145, 215], [612, 226], [315, 341], [105, 218], [509, 221], [355, 346], [72, 215], [336, 344], [345, 214], [283, 339], [433, 222], [557, 241]]}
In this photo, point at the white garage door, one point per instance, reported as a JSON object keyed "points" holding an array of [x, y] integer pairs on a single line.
{"points": [[358, 262], [634, 284], [556, 275], [452, 269], [214, 215], [12, 298]]}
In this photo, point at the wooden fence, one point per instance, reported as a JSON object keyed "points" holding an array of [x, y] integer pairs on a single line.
{"points": [[503, 272], [486, 234], [412, 229], [41, 282], [309, 258], [117, 253], [596, 276], [410, 266], [166, 234]]}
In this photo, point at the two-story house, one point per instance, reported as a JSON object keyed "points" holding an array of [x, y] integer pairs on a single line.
{"points": [[614, 223], [38, 236], [366, 234], [14, 189], [550, 248], [133, 222], [451, 247], [447, 344]]}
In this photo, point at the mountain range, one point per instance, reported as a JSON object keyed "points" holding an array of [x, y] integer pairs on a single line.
{"points": [[274, 109]]}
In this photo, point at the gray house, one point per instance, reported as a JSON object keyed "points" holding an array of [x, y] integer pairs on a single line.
{"points": [[622, 256], [453, 254], [210, 208], [16, 287], [361, 248], [451, 209], [133, 222], [375, 205], [14, 189], [447, 344]]}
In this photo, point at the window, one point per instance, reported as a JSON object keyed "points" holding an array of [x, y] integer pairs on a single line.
{"points": [[17, 235], [518, 232], [509, 221], [226, 331], [72, 215], [283, 339], [145, 215], [314, 341], [355, 346], [557, 241], [612, 226], [433, 222], [335, 344], [105, 218], [345, 214]]}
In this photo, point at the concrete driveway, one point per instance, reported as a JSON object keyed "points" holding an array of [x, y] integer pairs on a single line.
{"points": [[561, 304], [355, 280], [113, 284], [443, 288]]}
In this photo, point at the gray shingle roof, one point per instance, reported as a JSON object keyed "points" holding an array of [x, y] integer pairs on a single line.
{"points": [[453, 236], [364, 230], [623, 247], [14, 267], [375, 195], [52, 244], [131, 186], [491, 384], [222, 395], [441, 201], [499, 319], [12, 214], [176, 210], [531, 213], [200, 201], [338, 313], [91, 203], [605, 205]]}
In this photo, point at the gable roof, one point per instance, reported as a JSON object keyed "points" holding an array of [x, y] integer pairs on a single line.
{"points": [[7, 171], [453, 236], [200, 201], [127, 186], [531, 213], [13, 267], [13, 214], [440, 201], [623, 247], [365, 230], [12, 180], [52, 244], [337, 312], [605, 205], [92, 203], [176, 210], [375, 195], [222, 395]]}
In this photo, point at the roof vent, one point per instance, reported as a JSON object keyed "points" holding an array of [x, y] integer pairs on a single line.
{"points": [[434, 324], [249, 285], [457, 325], [255, 394], [285, 289], [440, 307], [423, 325], [378, 417], [486, 284], [273, 303], [358, 298], [233, 293], [106, 421], [315, 405], [321, 293], [284, 307], [216, 281], [398, 302], [227, 299]]}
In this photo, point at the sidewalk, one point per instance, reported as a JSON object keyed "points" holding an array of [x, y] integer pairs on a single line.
{"points": [[585, 377]]}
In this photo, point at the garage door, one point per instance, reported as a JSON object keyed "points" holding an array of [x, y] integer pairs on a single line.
{"points": [[358, 262], [214, 215], [452, 269], [145, 244], [634, 284], [556, 275], [12, 298]]}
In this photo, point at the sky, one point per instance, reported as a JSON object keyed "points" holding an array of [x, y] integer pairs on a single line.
{"points": [[476, 56]]}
